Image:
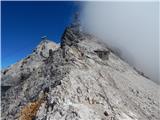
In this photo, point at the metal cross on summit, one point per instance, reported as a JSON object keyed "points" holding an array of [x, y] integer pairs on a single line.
{"points": [[44, 37]]}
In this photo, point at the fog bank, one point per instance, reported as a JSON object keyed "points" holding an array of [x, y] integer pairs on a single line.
{"points": [[131, 27]]}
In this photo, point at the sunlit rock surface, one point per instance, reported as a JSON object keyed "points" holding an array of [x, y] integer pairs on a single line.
{"points": [[81, 79]]}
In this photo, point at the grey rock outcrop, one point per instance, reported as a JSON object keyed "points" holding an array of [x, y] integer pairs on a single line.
{"points": [[81, 80]]}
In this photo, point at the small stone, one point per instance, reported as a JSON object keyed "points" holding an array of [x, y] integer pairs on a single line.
{"points": [[106, 113]]}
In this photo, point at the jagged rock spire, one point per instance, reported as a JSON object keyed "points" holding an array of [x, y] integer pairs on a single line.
{"points": [[76, 24], [73, 32]]}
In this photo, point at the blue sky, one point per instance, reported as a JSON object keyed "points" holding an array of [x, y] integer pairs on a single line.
{"points": [[24, 23]]}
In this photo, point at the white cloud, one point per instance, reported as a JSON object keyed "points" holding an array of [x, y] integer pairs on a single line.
{"points": [[131, 27]]}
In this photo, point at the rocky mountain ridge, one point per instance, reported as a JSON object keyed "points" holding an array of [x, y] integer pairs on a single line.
{"points": [[80, 79]]}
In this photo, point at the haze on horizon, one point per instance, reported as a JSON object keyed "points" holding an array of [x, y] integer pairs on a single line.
{"points": [[129, 27]]}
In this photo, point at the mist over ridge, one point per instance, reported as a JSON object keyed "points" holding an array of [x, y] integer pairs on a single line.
{"points": [[131, 28]]}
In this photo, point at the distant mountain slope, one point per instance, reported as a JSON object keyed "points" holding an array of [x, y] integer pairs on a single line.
{"points": [[79, 80]]}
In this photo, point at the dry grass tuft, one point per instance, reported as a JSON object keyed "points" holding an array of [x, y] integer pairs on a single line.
{"points": [[29, 111]]}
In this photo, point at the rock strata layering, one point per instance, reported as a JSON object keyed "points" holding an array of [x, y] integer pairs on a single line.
{"points": [[80, 79]]}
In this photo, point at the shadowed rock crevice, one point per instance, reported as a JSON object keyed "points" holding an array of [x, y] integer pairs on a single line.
{"points": [[103, 54]]}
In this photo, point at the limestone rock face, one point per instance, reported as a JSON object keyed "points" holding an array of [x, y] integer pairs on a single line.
{"points": [[24, 67], [79, 80]]}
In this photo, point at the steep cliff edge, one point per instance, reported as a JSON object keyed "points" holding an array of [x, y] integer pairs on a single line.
{"points": [[79, 80]]}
